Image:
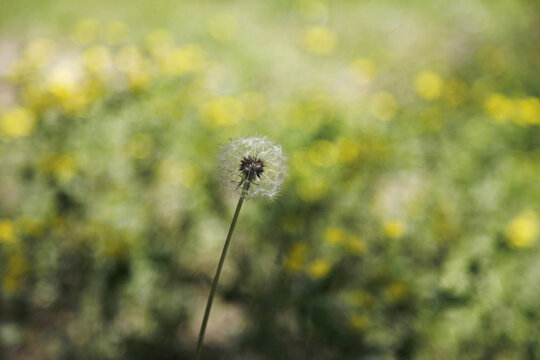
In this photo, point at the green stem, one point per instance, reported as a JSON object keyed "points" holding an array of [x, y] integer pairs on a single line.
{"points": [[218, 271]]}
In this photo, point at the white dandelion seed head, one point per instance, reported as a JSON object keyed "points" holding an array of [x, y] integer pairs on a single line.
{"points": [[266, 180]]}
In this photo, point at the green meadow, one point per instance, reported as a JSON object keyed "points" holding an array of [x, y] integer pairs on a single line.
{"points": [[408, 226]]}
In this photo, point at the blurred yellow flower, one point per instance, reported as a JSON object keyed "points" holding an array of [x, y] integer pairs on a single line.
{"points": [[528, 111], [30, 226], [334, 235], [348, 149], [184, 60], [7, 231], [296, 258], [499, 107], [67, 85], [222, 27], [140, 146], [363, 70], [523, 230], [319, 40], [115, 32], [323, 153], [35, 96], [97, 59], [137, 68], [17, 122], [222, 111], [86, 31], [15, 269], [355, 245], [62, 167], [394, 229], [383, 106], [39, 52], [428, 85], [319, 268], [358, 297], [396, 291], [63, 81], [359, 321]]}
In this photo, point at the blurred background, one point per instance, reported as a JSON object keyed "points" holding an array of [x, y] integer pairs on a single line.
{"points": [[408, 227]]}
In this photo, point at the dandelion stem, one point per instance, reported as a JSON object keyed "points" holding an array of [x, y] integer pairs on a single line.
{"points": [[218, 271]]}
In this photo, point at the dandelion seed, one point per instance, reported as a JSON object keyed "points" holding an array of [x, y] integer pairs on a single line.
{"points": [[254, 161]]}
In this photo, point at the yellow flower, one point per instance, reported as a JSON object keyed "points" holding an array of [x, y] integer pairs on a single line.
{"points": [[349, 150], [528, 111], [356, 245], [396, 291], [185, 60], [319, 40], [38, 52], [62, 167], [394, 229], [359, 321], [297, 256], [15, 269], [499, 107], [358, 297], [363, 70], [222, 27], [383, 106], [223, 111], [334, 236], [319, 268], [97, 59], [428, 85], [522, 231], [7, 231], [17, 122]]}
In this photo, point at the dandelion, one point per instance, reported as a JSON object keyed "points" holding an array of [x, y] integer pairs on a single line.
{"points": [[428, 85], [252, 168], [17, 122], [394, 229], [522, 231]]}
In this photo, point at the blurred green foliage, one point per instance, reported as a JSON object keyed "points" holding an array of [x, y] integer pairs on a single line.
{"points": [[408, 227]]}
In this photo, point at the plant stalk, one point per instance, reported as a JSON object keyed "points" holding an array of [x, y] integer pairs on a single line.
{"points": [[218, 271]]}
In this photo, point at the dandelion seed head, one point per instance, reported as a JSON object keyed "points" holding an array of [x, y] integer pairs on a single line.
{"points": [[256, 160]]}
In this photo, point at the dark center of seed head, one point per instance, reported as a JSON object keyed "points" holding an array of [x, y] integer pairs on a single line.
{"points": [[251, 168]]}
